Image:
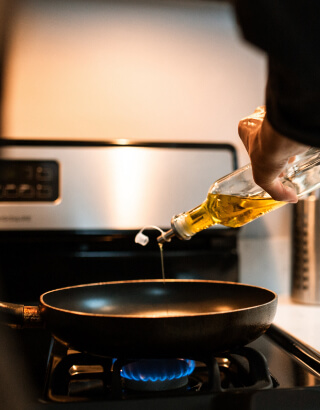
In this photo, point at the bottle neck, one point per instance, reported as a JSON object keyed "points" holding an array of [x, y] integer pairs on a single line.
{"points": [[189, 223]]}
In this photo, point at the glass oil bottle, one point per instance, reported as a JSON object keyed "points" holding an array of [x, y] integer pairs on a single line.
{"points": [[236, 200]]}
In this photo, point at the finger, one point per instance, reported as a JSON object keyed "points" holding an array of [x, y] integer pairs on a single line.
{"points": [[280, 192], [258, 114], [249, 126]]}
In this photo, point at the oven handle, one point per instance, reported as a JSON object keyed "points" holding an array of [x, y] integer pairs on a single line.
{"points": [[20, 316]]}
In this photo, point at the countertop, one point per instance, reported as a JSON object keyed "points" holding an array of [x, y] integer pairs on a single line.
{"points": [[300, 320]]}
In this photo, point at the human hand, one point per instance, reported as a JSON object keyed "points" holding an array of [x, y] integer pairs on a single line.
{"points": [[269, 152]]}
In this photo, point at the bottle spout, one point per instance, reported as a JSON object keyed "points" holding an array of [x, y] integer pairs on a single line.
{"points": [[166, 236]]}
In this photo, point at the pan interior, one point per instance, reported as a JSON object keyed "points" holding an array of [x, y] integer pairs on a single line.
{"points": [[155, 299]]}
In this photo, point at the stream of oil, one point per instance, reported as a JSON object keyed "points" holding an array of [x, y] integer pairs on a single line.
{"points": [[162, 263]]}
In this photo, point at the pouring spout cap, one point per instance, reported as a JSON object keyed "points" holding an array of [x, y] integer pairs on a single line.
{"points": [[143, 239]]}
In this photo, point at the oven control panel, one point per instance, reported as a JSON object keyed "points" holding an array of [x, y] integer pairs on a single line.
{"points": [[29, 181]]}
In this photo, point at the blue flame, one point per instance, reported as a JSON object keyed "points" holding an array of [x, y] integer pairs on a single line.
{"points": [[158, 369]]}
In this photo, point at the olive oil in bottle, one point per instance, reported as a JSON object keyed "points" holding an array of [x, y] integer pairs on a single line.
{"points": [[236, 200], [228, 210]]}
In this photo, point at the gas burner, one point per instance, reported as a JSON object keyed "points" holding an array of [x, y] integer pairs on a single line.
{"points": [[74, 376], [157, 374]]}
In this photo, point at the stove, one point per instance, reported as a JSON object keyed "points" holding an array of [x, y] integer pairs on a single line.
{"points": [[74, 376], [275, 368], [275, 371]]}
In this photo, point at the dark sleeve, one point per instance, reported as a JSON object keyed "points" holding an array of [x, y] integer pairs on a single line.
{"points": [[289, 32]]}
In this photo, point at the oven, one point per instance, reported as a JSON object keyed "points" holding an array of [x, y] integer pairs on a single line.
{"points": [[69, 213]]}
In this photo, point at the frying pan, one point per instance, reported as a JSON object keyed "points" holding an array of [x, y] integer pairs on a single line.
{"points": [[150, 318]]}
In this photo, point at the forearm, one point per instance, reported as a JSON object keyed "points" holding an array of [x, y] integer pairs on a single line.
{"points": [[293, 103], [289, 32]]}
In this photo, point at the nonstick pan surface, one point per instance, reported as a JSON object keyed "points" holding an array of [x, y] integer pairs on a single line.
{"points": [[149, 318]]}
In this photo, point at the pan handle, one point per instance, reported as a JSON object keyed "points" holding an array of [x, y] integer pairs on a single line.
{"points": [[20, 316]]}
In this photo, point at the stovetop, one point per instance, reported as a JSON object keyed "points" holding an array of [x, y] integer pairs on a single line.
{"points": [[74, 376], [37, 373], [275, 371]]}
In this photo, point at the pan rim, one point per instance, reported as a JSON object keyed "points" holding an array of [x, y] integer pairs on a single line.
{"points": [[78, 313]]}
